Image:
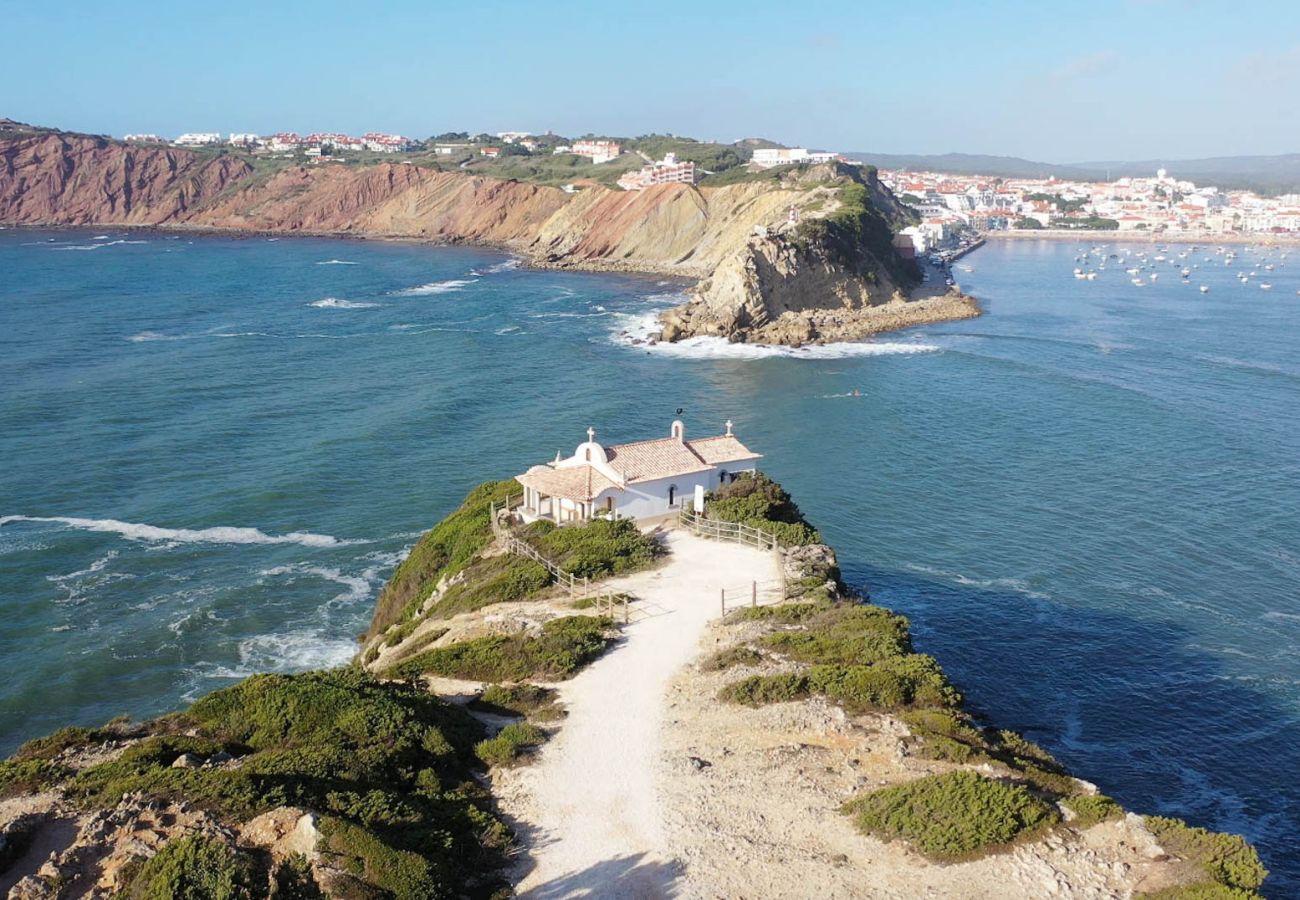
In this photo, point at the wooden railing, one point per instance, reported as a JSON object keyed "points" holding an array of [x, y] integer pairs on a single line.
{"points": [[736, 532], [606, 602]]}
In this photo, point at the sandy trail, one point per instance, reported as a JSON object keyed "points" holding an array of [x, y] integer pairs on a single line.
{"points": [[588, 809]]}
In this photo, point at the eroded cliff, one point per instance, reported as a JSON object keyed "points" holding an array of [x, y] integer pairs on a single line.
{"points": [[770, 267]]}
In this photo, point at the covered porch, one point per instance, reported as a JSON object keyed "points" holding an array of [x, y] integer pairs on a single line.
{"points": [[565, 496]]}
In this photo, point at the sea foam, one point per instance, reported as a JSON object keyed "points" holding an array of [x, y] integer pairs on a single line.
{"points": [[220, 534], [643, 328], [436, 287], [337, 303]]}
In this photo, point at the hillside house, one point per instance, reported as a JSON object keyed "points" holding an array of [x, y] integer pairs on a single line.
{"points": [[639, 480]]}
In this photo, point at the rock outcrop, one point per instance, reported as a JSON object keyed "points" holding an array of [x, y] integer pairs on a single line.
{"points": [[756, 283]]}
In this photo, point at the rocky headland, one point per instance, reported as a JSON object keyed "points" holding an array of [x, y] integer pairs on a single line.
{"points": [[497, 733], [803, 258]]}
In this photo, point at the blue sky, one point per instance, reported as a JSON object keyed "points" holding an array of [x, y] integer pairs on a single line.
{"points": [[1055, 80]]}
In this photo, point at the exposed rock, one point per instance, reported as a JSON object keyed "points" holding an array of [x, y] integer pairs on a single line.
{"points": [[187, 761], [284, 832]]}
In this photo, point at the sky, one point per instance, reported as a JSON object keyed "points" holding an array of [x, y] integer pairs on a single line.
{"points": [[1054, 80]]}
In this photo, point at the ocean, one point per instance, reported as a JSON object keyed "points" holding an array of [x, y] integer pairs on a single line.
{"points": [[214, 450]]}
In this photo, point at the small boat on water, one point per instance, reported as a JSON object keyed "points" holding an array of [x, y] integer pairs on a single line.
{"points": [[1187, 273], [1137, 282], [1205, 289], [1265, 286], [1155, 275]]}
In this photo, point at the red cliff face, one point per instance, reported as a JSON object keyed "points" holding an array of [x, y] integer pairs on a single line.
{"points": [[67, 179]]}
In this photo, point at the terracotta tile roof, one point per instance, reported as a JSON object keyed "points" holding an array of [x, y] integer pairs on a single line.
{"points": [[572, 482], [724, 448], [660, 458]]}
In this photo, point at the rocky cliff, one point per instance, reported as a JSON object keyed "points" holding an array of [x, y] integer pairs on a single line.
{"points": [[762, 277]]}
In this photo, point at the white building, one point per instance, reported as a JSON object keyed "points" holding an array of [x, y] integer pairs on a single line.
{"points": [[599, 151], [768, 157], [144, 139], [244, 140], [634, 481], [198, 139], [667, 171]]}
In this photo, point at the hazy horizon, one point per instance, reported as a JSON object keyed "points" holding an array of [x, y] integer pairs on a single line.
{"points": [[1060, 83]]}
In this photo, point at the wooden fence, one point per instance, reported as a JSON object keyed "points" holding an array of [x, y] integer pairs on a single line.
{"points": [[606, 602], [736, 532]]}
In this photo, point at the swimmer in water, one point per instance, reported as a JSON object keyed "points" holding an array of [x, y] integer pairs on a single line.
{"points": [[857, 393]]}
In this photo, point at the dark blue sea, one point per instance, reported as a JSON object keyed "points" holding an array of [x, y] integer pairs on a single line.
{"points": [[213, 451]]}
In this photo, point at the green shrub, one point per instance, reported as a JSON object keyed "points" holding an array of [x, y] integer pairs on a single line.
{"points": [[21, 775], [1208, 890], [509, 744], [369, 858], [847, 634], [1226, 858], [732, 656], [196, 868], [758, 690], [564, 646], [597, 549], [756, 500], [52, 745], [1089, 809], [514, 700], [782, 614], [447, 548], [951, 816]]}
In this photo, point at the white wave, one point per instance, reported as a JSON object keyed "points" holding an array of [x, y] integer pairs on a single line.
{"points": [[147, 336], [335, 262], [95, 246], [510, 329], [216, 535], [78, 585], [358, 587], [512, 263], [293, 651], [336, 303], [100, 237], [641, 330], [1015, 585], [1275, 616], [436, 287]]}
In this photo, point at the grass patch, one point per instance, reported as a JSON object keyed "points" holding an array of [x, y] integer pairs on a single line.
{"points": [[600, 548], [953, 816], [1226, 858], [497, 579], [510, 744], [891, 684], [1089, 809], [444, 550], [564, 646], [732, 656], [754, 499]]}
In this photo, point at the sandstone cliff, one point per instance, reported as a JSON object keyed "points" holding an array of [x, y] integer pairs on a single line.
{"points": [[760, 278]]}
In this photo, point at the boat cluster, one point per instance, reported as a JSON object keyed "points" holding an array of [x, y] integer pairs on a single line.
{"points": [[1141, 265]]}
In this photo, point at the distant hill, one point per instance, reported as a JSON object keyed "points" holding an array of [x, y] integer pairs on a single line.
{"points": [[1265, 174]]}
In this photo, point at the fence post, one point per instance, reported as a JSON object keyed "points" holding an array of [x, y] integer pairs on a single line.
{"points": [[753, 593], [724, 601]]}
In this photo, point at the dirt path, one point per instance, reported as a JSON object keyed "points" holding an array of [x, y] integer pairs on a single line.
{"points": [[588, 809]]}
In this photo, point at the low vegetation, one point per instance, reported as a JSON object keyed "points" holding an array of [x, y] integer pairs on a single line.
{"points": [[732, 656], [388, 766], [600, 548], [754, 499], [197, 868], [1089, 809], [858, 235], [1229, 862], [954, 816], [890, 684], [443, 551], [509, 744], [523, 700], [562, 647]]}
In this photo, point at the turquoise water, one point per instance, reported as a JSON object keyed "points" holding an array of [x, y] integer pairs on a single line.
{"points": [[214, 451]]}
